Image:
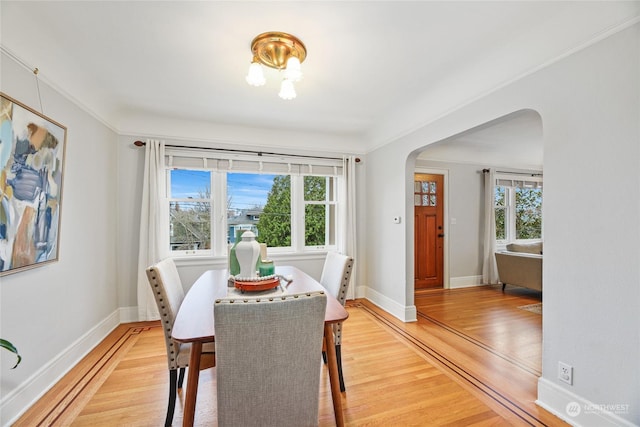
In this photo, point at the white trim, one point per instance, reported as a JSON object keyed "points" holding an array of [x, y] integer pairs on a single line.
{"points": [[556, 399], [16, 402], [465, 282], [404, 313], [221, 261]]}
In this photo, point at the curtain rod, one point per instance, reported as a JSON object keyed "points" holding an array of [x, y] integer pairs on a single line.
{"points": [[259, 153], [513, 173]]}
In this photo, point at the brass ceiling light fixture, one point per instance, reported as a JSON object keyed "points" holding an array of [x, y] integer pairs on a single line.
{"points": [[281, 51]]}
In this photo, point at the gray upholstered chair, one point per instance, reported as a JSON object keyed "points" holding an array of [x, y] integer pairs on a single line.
{"points": [[169, 293], [335, 279], [267, 367]]}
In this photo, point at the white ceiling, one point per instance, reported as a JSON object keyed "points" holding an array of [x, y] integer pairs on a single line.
{"points": [[513, 142], [374, 70]]}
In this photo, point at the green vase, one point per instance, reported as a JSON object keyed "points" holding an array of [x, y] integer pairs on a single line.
{"points": [[234, 265]]}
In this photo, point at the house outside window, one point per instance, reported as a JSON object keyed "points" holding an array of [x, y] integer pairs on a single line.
{"points": [[190, 205], [518, 208], [294, 211]]}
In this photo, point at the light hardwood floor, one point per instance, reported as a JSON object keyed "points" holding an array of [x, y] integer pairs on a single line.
{"points": [[444, 370]]}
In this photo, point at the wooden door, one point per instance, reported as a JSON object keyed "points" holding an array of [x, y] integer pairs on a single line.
{"points": [[429, 230]]}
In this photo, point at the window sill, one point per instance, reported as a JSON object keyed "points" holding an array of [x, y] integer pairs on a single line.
{"points": [[221, 261]]}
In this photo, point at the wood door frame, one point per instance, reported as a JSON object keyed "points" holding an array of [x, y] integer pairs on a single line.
{"points": [[445, 221]]}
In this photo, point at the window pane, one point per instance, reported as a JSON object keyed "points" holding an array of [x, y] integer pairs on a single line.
{"points": [[274, 222], [319, 211], [528, 213], [190, 226], [314, 225], [501, 229], [190, 184], [500, 196], [500, 203], [315, 188], [247, 195], [190, 210]]}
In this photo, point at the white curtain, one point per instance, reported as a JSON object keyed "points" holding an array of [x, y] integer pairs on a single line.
{"points": [[154, 244], [347, 236], [489, 267]]}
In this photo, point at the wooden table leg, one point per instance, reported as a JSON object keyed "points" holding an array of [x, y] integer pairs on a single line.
{"points": [[332, 364], [192, 384]]}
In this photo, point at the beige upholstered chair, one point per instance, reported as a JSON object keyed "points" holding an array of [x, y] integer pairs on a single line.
{"points": [[267, 367], [168, 292], [335, 279]]}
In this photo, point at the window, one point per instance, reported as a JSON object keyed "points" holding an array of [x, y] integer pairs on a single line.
{"points": [[319, 211], [518, 208], [190, 204], [290, 207], [261, 203]]}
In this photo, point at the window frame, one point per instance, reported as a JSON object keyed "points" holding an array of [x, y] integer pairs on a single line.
{"points": [[170, 199], [330, 199], [218, 200], [510, 207]]}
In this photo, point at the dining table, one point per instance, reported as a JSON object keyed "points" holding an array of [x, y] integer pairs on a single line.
{"points": [[194, 324]]}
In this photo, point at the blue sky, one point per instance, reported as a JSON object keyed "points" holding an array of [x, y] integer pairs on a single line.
{"points": [[246, 190]]}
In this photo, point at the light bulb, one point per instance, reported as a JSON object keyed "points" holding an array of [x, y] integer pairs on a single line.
{"points": [[287, 91], [255, 77], [293, 71]]}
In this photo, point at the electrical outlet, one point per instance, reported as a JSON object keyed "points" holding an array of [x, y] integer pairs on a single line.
{"points": [[565, 373]]}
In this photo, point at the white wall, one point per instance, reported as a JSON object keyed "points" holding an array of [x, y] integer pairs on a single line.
{"points": [[55, 313], [589, 104], [591, 305]]}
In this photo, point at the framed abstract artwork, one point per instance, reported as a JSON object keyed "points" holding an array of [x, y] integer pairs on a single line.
{"points": [[32, 150]]}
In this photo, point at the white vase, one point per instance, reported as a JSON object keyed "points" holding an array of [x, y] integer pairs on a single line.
{"points": [[247, 252]]}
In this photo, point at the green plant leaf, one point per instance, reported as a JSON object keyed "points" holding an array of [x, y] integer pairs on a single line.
{"points": [[8, 346]]}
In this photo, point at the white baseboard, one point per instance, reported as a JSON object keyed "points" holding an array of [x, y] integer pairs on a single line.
{"points": [[15, 403], [465, 282], [404, 313], [579, 411]]}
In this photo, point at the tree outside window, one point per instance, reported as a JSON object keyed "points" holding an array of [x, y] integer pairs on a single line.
{"points": [[190, 210], [274, 226], [262, 203], [500, 195], [528, 213], [518, 212], [319, 214]]}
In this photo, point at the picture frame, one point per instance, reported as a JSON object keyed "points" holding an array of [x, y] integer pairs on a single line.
{"points": [[32, 154]]}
